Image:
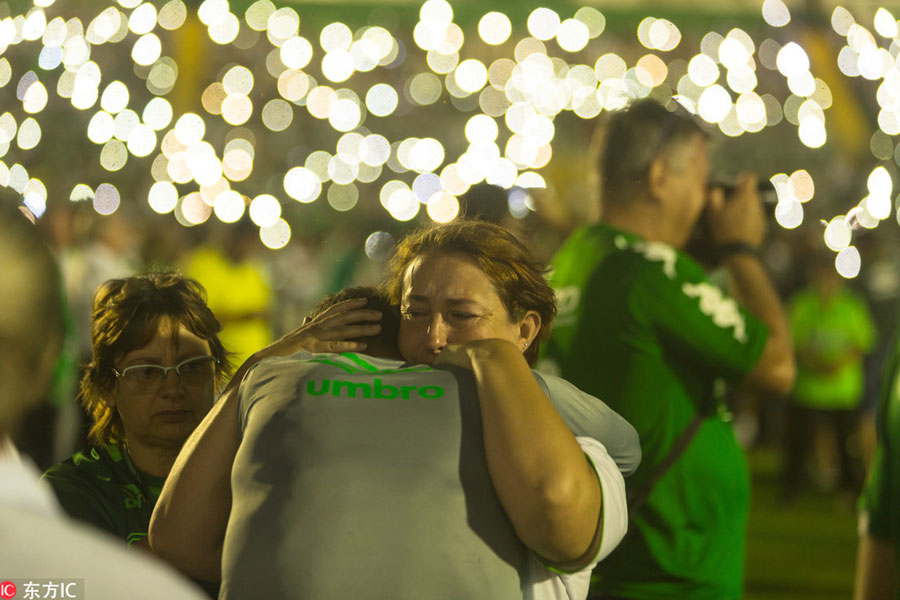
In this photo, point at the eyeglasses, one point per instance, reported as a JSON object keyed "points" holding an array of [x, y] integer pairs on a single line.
{"points": [[193, 372]]}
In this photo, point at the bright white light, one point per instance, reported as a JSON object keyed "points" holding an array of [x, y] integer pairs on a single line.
{"points": [[610, 66], [212, 12], [442, 207], [296, 53], [147, 50], [143, 19], [229, 206], [194, 209], [481, 128], [812, 132], [226, 31], [838, 234], [436, 10], [776, 13], [885, 24], [190, 129], [35, 98], [276, 236], [471, 75], [265, 210], [337, 66], [141, 140], [158, 113], [879, 182], [302, 184], [114, 98], [238, 80], [344, 115], [494, 28], [792, 60], [335, 37], [403, 205], [163, 197], [878, 206], [29, 134], [848, 262], [374, 150], [426, 155], [789, 213], [319, 101], [543, 23], [714, 104], [572, 35], [382, 99], [236, 109], [342, 170]]}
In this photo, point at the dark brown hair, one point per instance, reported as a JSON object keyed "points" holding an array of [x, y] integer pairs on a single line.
{"points": [[126, 314], [517, 275]]}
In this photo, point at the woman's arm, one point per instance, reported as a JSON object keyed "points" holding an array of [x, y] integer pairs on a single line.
{"points": [[188, 524], [543, 480]]}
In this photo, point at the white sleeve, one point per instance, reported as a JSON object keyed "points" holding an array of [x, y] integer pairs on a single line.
{"points": [[546, 583], [589, 416]]}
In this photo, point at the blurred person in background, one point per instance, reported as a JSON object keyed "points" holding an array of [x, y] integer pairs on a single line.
{"points": [[877, 566], [832, 332], [238, 287], [403, 488], [38, 541], [157, 364], [642, 327]]}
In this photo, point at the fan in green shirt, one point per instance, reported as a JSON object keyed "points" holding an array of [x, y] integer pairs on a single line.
{"points": [[157, 362], [877, 564], [642, 328]]}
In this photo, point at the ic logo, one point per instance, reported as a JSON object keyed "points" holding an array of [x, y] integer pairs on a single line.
{"points": [[7, 590]]}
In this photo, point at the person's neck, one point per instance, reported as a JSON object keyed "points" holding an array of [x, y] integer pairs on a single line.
{"points": [[645, 220], [151, 459]]}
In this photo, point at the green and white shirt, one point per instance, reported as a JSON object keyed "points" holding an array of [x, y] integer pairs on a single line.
{"points": [[642, 327], [102, 486]]}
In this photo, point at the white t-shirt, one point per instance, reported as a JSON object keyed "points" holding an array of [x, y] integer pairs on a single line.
{"points": [[40, 543]]}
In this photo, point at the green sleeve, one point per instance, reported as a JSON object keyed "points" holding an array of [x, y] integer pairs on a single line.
{"points": [[696, 319], [879, 499]]}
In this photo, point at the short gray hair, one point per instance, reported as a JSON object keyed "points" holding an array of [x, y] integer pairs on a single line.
{"points": [[634, 137]]}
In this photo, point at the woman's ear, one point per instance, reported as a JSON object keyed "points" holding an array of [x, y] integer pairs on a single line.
{"points": [[529, 327]]}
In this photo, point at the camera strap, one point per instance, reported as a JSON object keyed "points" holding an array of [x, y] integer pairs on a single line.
{"points": [[638, 497]]}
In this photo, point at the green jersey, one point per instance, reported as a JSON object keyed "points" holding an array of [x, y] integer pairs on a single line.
{"points": [[881, 496], [641, 327], [104, 488], [830, 338]]}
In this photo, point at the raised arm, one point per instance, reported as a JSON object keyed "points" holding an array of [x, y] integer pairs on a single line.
{"points": [[739, 219], [188, 524], [543, 480]]}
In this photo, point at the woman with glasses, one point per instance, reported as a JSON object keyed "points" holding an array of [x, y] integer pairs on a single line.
{"points": [[157, 364]]}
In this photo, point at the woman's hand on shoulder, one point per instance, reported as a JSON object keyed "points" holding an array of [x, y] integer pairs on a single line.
{"points": [[333, 330]]}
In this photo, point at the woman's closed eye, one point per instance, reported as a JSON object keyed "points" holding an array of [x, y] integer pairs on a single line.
{"points": [[412, 313]]}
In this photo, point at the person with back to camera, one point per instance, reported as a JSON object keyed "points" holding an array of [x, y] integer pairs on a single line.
{"points": [[39, 542], [642, 327], [390, 469], [157, 363]]}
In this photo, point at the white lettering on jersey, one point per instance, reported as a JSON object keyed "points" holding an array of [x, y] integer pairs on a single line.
{"points": [[722, 310], [653, 251]]}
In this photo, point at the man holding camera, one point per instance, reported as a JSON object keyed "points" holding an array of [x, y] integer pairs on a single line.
{"points": [[643, 328]]}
